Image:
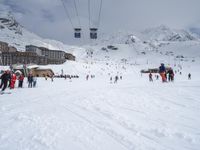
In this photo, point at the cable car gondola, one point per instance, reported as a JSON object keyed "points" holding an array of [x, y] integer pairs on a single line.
{"points": [[77, 32], [96, 20], [93, 33]]}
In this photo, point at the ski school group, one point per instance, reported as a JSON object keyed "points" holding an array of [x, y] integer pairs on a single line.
{"points": [[9, 78]]}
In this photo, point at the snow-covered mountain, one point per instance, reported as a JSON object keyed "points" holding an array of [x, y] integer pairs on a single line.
{"points": [[195, 31], [16, 35], [164, 33]]}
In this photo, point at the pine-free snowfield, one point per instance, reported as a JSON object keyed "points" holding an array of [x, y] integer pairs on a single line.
{"points": [[96, 115]]}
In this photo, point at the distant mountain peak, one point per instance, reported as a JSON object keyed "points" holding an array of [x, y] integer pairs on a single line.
{"points": [[8, 21], [164, 33]]}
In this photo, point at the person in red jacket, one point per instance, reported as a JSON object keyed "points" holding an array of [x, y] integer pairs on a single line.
{"points": [[21, 80], [13, 80]]}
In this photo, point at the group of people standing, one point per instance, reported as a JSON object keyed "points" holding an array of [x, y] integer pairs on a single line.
{"points": [[116, 78], [166, 74], [32, 80], [9, 78]]}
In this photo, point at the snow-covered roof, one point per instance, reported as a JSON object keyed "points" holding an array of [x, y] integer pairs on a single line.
{"points": [[4, 67]]}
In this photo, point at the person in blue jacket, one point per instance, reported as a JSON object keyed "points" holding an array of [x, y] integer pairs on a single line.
{"points": [[162, 72]]}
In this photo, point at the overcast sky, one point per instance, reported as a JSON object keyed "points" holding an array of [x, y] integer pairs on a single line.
{"points": [[48, 19]]}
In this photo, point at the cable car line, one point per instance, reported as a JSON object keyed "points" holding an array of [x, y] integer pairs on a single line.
{"points": [[67, 13], [77, 31], [93, 26], [89, 12], [77, 13], [99, 17]]}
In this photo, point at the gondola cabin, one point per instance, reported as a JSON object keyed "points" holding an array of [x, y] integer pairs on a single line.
{"points": [[93, 33], [77, 32]]}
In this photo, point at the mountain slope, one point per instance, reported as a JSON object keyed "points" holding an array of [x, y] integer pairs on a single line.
{"points": [[16, 35]]}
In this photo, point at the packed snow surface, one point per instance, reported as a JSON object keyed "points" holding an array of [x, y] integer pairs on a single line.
{"points": [[76, 114]]}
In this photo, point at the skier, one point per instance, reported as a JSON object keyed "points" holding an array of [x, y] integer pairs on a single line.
{"points": [[162, 71], [116, 79], [110, 79], [30, 80], [120, 77], [189, 76], [46, 77], [34, 81], [170, 75], [5, 77], [13, 80], [21, 79], [87, 77], [150, 77], [157, 77], [53, 77]]}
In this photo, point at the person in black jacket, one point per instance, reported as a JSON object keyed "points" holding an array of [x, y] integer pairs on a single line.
{"points": [[170, 74], [30, 80], [189, 76], [5, 77]]}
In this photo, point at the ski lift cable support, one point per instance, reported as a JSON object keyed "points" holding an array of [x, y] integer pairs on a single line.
{"points": [[67, 13], [77, 30], [93, 30]]}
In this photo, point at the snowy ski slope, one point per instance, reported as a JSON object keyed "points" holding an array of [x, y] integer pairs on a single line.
{"points": [[131, 115]]}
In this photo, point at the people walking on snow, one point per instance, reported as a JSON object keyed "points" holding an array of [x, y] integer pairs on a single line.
{"points": [[21, 80], [150, 77], [189, 76], [162, 72]]}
